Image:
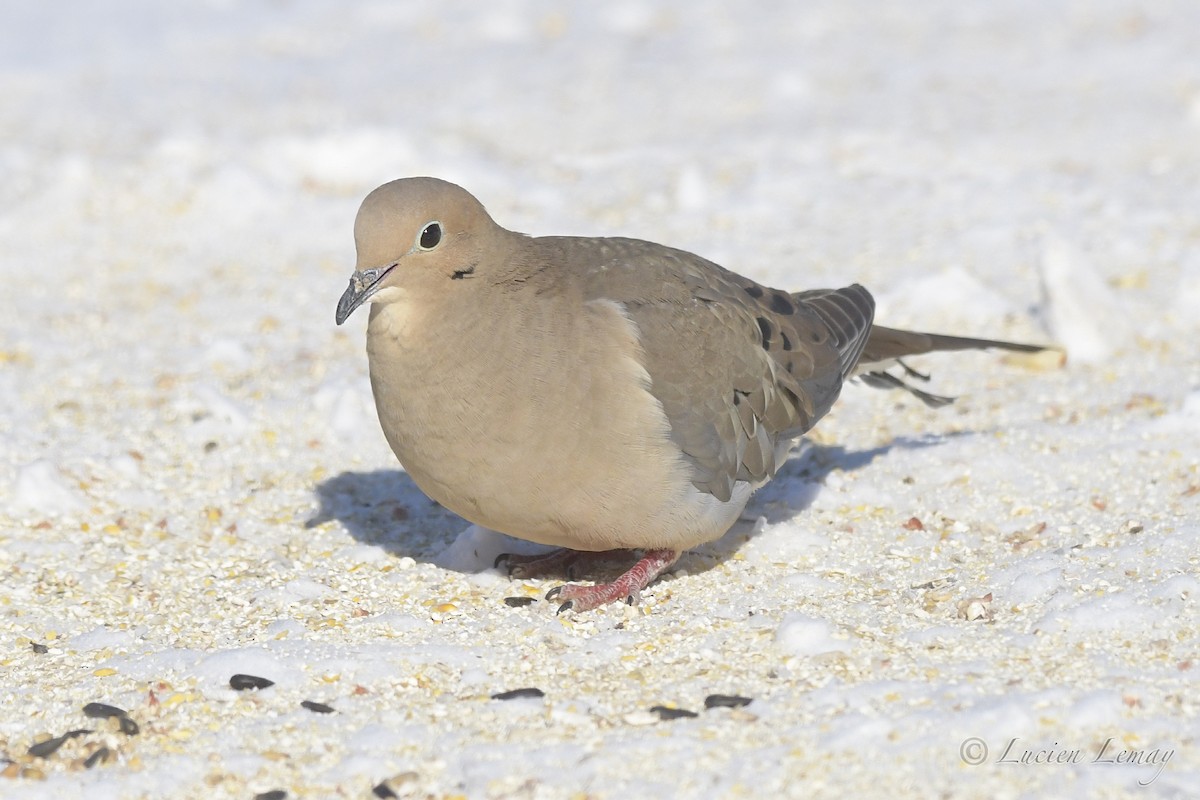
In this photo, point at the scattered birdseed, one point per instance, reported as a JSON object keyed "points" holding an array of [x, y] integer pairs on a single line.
{"points": [[519, 602], [665, 713], [47, 748], [101, 755], [726, 701], [274, 794], [319, 708], [518, 694], [128, 726], [242, 682], [40, 649], [935, 583], [640, 718], [975, 608]]}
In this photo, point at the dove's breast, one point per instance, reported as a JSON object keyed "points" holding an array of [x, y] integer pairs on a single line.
{"points": [[522, 435]]}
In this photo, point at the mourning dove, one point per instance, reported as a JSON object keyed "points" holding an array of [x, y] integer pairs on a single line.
{"points": [[595, 394]]}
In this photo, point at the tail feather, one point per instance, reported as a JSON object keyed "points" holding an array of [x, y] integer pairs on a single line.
{"points": [[886, 346], [889, 344]]}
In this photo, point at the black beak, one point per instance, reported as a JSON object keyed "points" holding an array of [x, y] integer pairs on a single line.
{"points": [[363, 284]]}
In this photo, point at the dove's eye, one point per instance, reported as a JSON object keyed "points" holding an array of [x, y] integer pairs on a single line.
{"points": [[431, 235]]}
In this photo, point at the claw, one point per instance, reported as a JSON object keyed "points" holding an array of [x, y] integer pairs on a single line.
{"points": [[500, 559], [567, 606], [553, 593], [912, 373]]}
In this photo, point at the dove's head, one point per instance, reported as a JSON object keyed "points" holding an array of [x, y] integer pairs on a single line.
{"points": [[414, 235]]}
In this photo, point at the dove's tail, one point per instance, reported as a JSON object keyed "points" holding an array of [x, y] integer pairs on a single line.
{"points": [[886, 347]]}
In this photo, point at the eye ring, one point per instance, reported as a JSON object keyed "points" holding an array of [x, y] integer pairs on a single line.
{"points": [[430, 236]]}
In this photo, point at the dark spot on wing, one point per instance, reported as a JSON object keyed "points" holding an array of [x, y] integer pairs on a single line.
{"points": [[764, 326], [782, 304], [787, 343], [754, 291]]}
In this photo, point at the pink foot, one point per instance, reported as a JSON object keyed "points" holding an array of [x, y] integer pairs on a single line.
{"points": [[628, 587]]}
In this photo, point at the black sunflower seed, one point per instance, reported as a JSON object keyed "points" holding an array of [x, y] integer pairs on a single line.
{"points": [[319, 708], [518, 602], [726, 701], [103, 711], [101, 755], [48, 747], [242, 682], [516, 694], [672, 713]]}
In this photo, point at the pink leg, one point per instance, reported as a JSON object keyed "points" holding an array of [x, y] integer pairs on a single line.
{"points": [[628, 587], [562, 561]]}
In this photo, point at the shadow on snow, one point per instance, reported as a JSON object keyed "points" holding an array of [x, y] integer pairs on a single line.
{"points": [[385, 508]]}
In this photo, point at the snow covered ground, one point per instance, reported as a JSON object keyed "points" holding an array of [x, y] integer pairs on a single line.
{"points": [[193, 483]]}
